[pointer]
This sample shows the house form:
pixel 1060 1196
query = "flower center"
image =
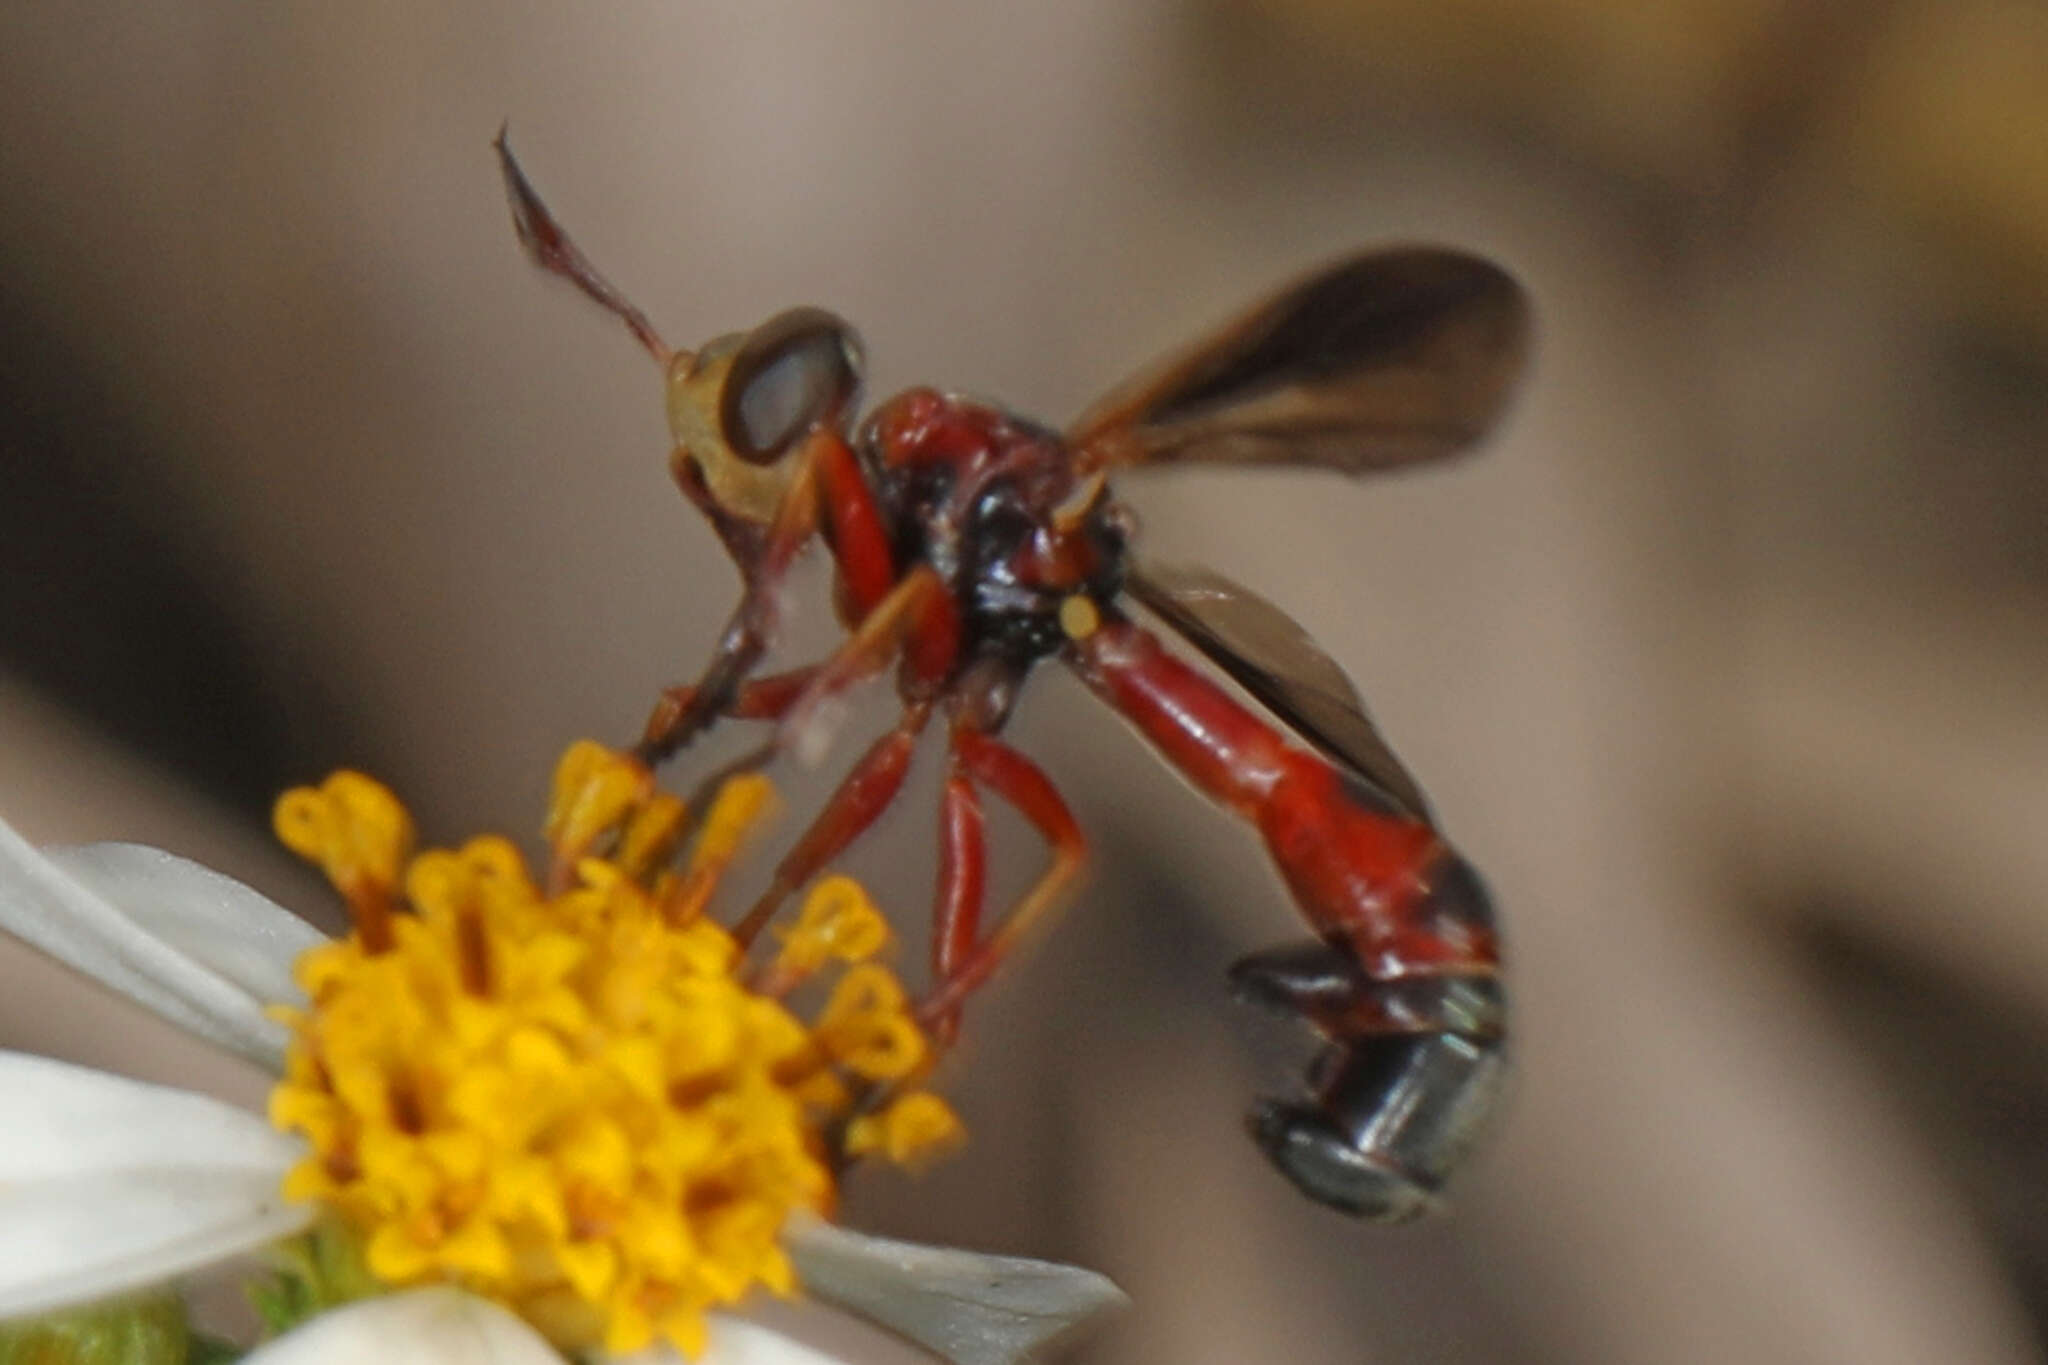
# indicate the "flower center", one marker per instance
pixel 581 1099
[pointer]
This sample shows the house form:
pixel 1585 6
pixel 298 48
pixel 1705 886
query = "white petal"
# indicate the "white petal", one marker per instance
pixel 49 907
pixel 107 1184
pixel 970 1308
pixel 239 932
pixel 735 1341
pixel 421 1327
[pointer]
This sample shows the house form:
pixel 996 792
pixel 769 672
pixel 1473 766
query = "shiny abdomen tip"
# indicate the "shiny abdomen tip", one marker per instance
pixel 1327 1166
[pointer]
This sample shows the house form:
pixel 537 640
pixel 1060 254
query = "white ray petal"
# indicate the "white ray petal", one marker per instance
pixel 421 1327
pixel 107 1184
pixel 49 907
pixel 970 1308
pixel 237 931
pixel 735 1341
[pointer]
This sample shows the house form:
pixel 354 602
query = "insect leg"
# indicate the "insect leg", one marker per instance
pixel 962 885
pixel 853 528
pixel 863 794
pixel 989 763
pixel 747 633
pixel 909 609
pixel 766 698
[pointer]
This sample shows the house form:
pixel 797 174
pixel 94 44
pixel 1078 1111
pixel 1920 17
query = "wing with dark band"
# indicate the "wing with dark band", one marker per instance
pixel 1382 360
pixel 1267 653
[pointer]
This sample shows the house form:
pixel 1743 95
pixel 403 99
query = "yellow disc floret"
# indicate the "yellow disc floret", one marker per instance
pixel 576 1099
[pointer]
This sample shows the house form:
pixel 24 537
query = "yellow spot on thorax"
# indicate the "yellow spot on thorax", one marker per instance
pixel 1079 617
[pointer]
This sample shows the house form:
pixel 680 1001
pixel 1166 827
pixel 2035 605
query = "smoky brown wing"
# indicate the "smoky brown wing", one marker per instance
pixel 1381 360
pixel 1267 653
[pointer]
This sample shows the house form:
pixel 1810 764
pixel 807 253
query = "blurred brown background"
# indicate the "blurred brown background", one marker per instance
pixel 1724 662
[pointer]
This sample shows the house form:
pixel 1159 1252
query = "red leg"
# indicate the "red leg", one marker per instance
pixel 830 488
pixel 989 763
pixel 963 882
pixel 793 698
pixel 766 698
pixel 828 494
pixel 918 608
pixel 861 798
pixel 853 528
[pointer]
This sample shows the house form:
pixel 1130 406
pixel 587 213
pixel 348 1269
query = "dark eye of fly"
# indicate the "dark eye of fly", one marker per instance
pixel 793 372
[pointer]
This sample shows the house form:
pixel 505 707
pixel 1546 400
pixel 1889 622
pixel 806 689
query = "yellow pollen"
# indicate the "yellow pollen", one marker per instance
pixel 567 1096
pixel 1079 617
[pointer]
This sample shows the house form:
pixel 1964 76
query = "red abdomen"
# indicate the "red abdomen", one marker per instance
pixel 1361 870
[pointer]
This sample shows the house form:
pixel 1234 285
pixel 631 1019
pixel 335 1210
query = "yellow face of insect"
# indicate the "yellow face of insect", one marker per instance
pixel 741 408
pixel 696 388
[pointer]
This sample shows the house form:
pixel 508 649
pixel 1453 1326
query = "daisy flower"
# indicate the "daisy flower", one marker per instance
pixel 517 1116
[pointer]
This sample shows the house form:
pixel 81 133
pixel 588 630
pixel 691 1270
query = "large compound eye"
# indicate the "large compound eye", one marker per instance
pixel 793 372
